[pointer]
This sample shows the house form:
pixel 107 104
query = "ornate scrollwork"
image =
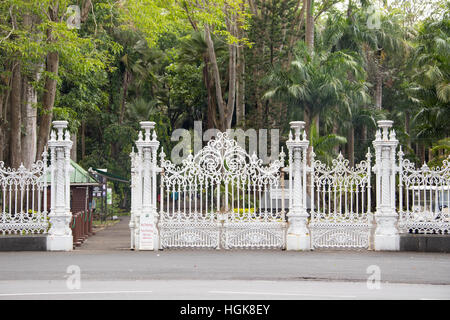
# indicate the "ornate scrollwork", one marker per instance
pixel 21 199
pixel 340 214
pixel 424 198
pixel 221 183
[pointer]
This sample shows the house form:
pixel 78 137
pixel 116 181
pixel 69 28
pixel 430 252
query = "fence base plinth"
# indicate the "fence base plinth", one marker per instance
pixel 298 242
pixel 23 243
pixel 60 243
pixel 387 242
pixel 425 242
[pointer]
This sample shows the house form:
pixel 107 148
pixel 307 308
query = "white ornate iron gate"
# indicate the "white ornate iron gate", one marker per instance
pixel 224 198
pixel 424 198
pixel 23 199
pixel 340 204
pixel 220 198
pixel 24 194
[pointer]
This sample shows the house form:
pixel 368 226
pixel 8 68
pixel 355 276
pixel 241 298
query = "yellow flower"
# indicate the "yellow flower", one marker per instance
pixel 242 210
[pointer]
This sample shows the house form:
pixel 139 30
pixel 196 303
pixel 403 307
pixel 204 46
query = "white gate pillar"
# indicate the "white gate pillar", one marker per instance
pixel 144 211
pixel 136 191
pixel 60 235
pixel 298 235
pixel 386 232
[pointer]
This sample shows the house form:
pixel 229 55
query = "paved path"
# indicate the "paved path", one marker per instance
pixel 116 237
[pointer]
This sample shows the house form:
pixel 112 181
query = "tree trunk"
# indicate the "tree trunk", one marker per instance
pixel 2 136
pixel 48 102
pixel 231 87
pixel 29 110
pixel 87 6
pixel 297 26
pixel 379 91
pixel 209 84
pixel 126 81
pixel 309 39
pixel 259 106
pixel 307 119
pixel 379 83
pixel 349 9
pixel 422 153
pixel 216 77
pixel 364 133
pixel 316 121
pixel 351 145
pixel 309 36
pixel 335 131
pixel 16 121
pixel 48 99
pixel 83 139
pixel 29 115
pixel 407 129
pixel 4 117
pixel 73 151
pixel 240 88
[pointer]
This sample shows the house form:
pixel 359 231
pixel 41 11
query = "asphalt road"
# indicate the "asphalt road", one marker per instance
pixel 227 265
pixel 109 268
pixel 218 290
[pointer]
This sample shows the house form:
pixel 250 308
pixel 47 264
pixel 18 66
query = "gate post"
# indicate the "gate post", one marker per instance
pixel 146 216
pixel 136 191
pixel 60 234
pixel 386 232
pixel 298 235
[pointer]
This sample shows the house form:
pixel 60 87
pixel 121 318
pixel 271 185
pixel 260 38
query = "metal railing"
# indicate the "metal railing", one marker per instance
pixel 23 199
pixel 81 225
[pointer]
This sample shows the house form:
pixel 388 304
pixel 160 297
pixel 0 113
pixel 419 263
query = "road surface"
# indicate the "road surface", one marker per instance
pixel 109 270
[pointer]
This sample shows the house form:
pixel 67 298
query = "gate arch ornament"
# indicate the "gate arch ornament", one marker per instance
pixel 221 198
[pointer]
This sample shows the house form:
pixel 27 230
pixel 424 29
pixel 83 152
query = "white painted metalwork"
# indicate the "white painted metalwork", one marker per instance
pixel 219 198
pixel 23 194
pixel 224 198
pixel 60 234
pixel 298 234
pixel 386 235
pixel 424 198
pixel 23 199
pixel 340 203
pixel 144 171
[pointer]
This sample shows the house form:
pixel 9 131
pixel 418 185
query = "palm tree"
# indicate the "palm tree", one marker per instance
pixel 326 82
pixel 325 146
pixel 138 61
pixel 378 45
pixel 141 110
pixel 430 88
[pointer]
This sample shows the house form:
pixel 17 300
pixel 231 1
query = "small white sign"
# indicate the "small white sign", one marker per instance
pixel 146 233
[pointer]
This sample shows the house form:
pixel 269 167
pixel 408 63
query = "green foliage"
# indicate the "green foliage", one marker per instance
pixel 139 60
pixel 324 146
pixel 158 17
pixel 441 152
pixel 430 88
